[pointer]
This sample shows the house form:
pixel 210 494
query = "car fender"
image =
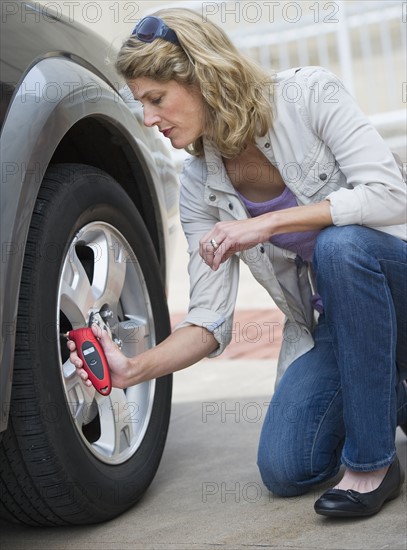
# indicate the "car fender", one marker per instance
pixel 53 95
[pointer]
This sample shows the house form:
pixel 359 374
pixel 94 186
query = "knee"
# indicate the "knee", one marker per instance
pixel 289 480
pixel 339 250
pixel 335 242
pixel 277 479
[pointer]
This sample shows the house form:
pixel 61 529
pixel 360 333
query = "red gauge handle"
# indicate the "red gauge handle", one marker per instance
pixel 93 358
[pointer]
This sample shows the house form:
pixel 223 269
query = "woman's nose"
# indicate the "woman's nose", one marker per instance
pixel 150 117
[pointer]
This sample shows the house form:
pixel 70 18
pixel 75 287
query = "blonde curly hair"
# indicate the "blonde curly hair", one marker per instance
pixel 237 93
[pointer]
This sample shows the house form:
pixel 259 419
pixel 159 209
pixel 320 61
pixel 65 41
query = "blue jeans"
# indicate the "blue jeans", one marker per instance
pixel 341 401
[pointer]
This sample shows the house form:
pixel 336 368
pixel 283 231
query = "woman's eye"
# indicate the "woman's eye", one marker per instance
pixel 156 101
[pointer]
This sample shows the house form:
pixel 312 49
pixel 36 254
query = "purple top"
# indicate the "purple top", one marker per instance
pixel 302 243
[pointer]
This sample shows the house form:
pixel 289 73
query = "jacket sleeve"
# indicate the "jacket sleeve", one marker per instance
pixel 377 194
pixel 212 293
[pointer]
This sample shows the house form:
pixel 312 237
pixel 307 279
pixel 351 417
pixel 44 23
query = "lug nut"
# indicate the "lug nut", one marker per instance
pixel 107 313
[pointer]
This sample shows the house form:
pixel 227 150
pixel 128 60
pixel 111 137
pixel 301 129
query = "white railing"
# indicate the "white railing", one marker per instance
pixel 363 42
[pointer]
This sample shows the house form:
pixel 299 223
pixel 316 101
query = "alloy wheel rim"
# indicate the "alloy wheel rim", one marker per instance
pixel 101 273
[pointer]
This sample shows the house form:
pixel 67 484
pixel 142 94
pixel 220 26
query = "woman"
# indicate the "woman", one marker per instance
pixel 287 175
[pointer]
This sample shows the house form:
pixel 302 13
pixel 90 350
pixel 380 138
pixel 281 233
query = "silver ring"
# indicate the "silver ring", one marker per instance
pixel 214 244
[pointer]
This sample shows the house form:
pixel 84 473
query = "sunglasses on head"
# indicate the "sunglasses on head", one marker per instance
pixel 149 28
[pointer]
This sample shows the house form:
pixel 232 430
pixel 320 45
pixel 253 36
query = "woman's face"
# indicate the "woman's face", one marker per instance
pixel 176 110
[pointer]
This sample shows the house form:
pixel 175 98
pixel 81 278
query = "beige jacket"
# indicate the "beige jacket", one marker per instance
pixel 324 147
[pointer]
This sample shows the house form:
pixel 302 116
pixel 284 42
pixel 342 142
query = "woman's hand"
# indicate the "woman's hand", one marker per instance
pixel 227 238
pixel 118 363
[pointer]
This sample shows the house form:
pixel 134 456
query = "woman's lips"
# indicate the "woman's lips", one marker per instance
pixel 166 132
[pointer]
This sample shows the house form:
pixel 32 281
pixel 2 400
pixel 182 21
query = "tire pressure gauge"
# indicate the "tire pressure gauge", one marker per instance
pixel 93 358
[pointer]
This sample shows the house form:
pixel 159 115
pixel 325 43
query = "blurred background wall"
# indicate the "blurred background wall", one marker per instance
pixel 364 42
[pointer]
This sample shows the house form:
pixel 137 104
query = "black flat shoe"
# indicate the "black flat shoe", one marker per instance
pixel 341 503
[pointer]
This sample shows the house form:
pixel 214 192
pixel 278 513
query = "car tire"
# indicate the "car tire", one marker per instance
pixel 71 456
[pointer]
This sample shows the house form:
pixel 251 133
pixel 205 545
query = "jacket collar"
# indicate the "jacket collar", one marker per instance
pixel 217 178
pixel 216 175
